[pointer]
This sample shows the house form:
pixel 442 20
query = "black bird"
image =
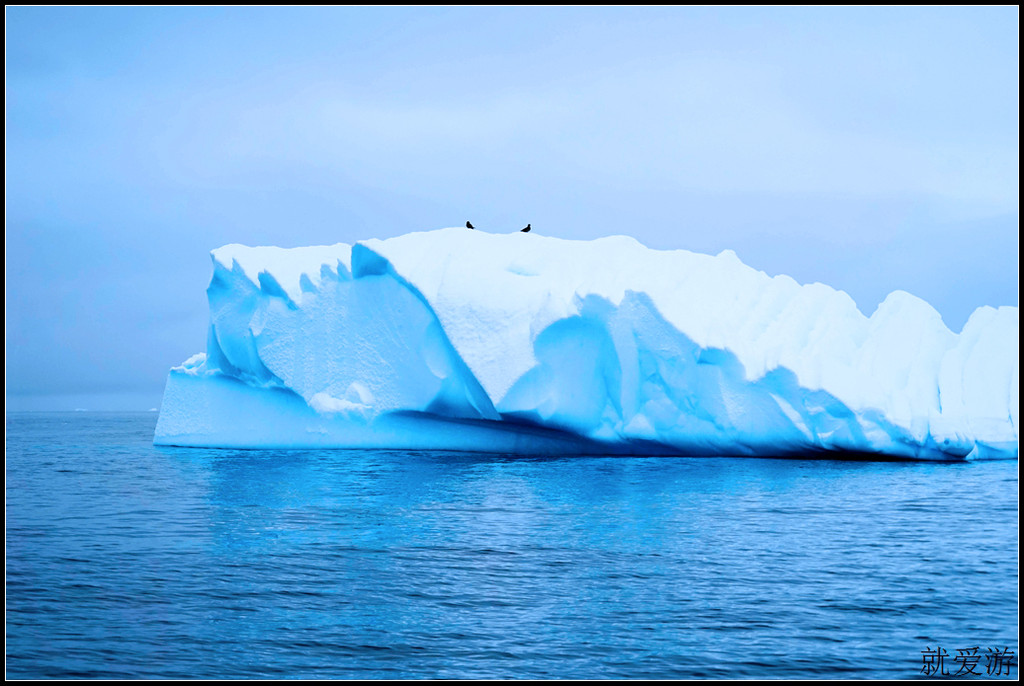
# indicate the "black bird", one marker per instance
pixel 469 226
pixel 526 230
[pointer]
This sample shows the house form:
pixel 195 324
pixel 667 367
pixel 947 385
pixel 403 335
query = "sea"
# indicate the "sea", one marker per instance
pixel 130 561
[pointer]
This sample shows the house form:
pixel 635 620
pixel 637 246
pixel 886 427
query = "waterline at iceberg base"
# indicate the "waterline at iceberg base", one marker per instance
pixel 521 343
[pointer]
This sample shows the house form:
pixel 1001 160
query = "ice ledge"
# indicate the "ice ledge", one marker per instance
pixel 216 411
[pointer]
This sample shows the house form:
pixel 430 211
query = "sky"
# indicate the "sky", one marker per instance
pixel 871 149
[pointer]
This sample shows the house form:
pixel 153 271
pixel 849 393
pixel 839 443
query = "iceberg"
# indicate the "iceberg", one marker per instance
pixel 522 343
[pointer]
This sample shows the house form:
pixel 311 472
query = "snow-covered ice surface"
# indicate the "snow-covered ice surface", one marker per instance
pixel 463 340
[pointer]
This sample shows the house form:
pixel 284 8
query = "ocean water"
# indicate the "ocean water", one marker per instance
pixel 125 560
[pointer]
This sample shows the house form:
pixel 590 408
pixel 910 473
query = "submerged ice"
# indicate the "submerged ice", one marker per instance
pixel 457 339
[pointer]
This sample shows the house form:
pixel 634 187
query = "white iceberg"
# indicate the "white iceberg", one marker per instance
pixel 464 340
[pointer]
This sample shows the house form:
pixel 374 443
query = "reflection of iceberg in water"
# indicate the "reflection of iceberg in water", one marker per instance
pixel 464 340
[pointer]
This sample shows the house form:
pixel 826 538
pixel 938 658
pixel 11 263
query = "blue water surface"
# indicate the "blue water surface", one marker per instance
pixel 125 560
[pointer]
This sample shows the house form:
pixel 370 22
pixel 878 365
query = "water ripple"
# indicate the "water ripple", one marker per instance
pixel 126 561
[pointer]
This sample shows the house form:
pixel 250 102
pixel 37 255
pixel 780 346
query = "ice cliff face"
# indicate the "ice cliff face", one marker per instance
pixel 458 339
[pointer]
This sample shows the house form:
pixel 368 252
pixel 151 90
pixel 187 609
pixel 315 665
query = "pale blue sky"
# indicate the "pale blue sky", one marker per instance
pixel 871 149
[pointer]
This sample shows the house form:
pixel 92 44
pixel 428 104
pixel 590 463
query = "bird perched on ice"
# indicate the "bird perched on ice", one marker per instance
pixel 469 226
pixel 526 230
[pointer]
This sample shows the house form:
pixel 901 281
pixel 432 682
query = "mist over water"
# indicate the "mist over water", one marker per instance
pixel 129 561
